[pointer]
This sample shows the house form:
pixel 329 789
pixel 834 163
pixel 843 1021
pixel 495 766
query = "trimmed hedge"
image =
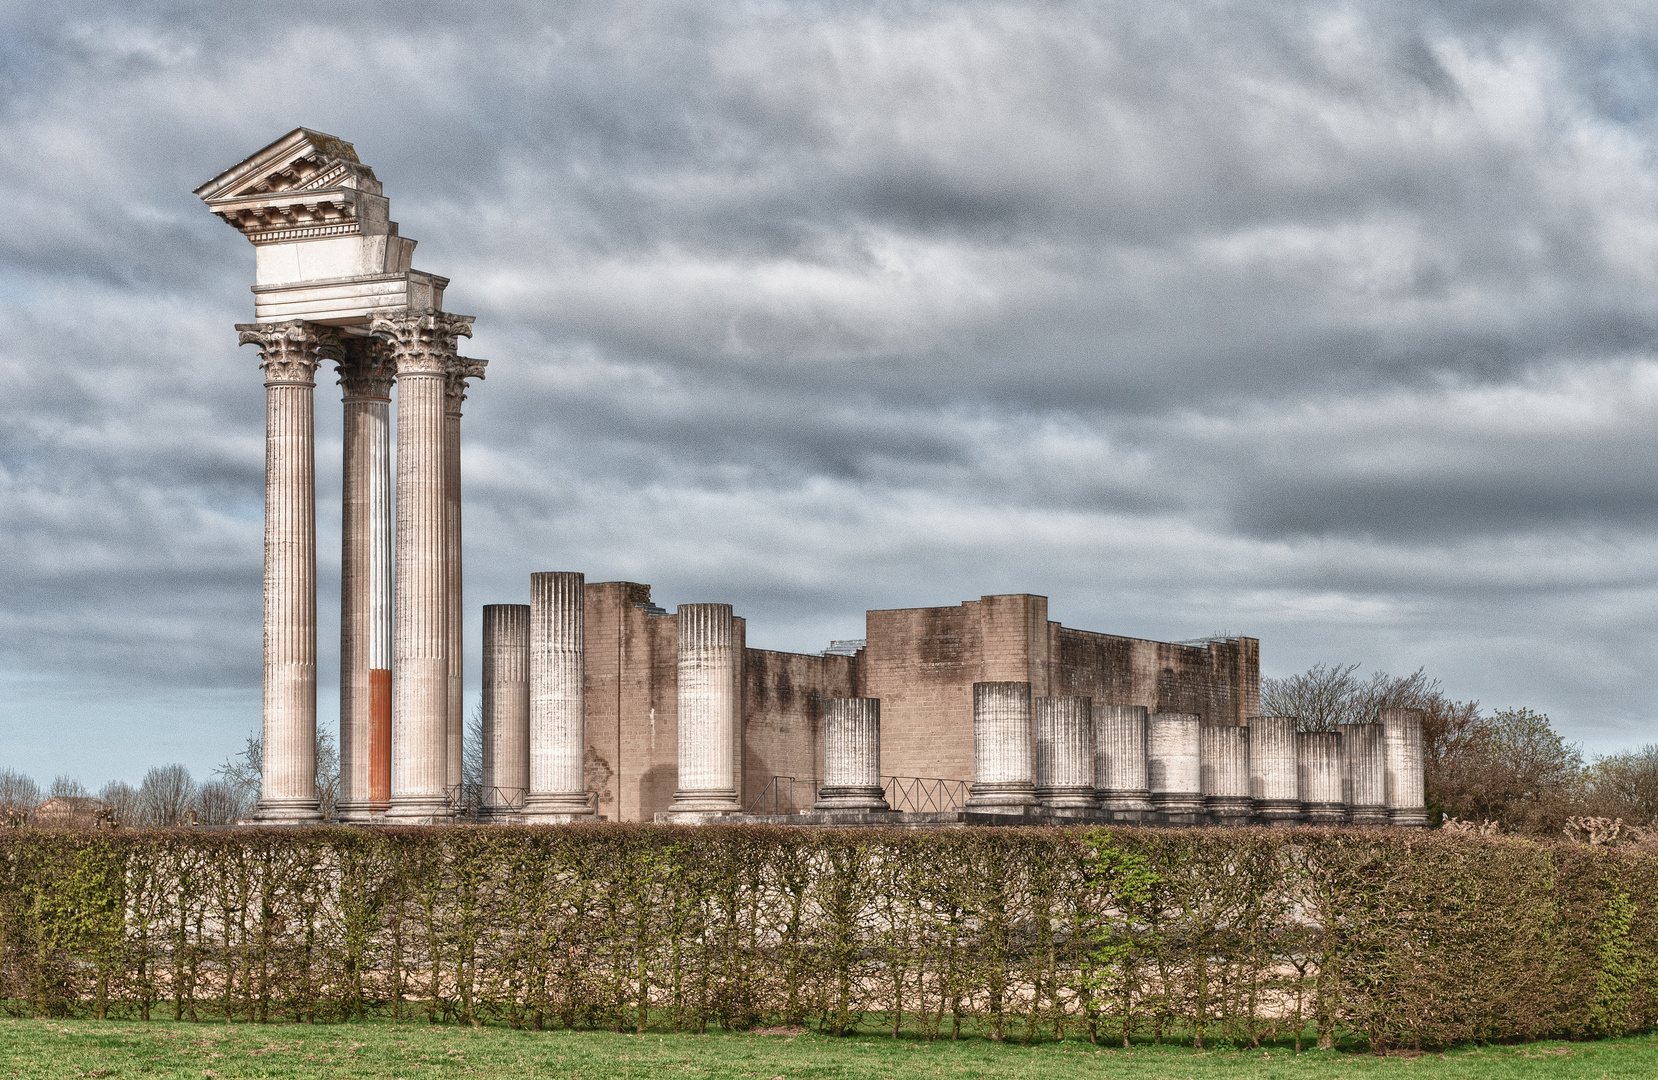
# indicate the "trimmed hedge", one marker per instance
pixel 1374 936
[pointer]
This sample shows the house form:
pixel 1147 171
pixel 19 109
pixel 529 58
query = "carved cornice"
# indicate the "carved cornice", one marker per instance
pixel 422 343
pixel 461 369
pixel 366 370
pixel 289 352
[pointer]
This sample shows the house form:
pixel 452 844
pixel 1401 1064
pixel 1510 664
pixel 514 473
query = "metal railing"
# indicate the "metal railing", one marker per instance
pixel 910 794
pixel 924 794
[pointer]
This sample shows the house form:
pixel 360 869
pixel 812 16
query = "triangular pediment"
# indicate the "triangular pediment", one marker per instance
pixel 302 160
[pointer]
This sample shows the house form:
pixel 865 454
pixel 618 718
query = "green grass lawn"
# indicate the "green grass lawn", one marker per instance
pixel 85 1048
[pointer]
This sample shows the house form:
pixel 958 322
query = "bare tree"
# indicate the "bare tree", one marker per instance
pixel 328 774
pixel 244 771
pixel 19 794
pixel 219 802
pixel 472 759
pixel 165 794
pixel 1625 786
pixel 122 801
pixel 65 786
pixel 1324 696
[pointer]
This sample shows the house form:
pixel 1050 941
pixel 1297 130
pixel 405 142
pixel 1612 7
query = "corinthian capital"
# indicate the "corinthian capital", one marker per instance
pixel 462 368
pixel 366 369
pixel 422 343
pixel 289 351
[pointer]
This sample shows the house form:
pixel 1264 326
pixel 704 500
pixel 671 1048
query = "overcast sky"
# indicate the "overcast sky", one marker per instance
pixel 1334 324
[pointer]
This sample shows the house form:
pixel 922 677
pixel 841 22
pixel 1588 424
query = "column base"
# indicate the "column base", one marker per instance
pixel 359 813
pixel 1320 813
pixel 287 812
pixel 996 795
pixel 1127 799
pixel 1067 798
pixel 1369 815
pixel 871 797
pixel 1279 812
pixel 704 801
pixel 417 810
pixel 1229 809
pixel 1413 817
pixel 556 808
pixel 1183 803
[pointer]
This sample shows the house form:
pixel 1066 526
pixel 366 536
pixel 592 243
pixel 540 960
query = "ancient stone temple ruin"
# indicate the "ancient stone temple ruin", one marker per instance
pixel 600 705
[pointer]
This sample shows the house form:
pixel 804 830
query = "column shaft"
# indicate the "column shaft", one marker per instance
pixel 1273 769
pixel 1224 763
pixel 288 353
pixel 1319 769
pixel 709 714
pixel 852 756
pixel 506 701
pixel 1064 744
pixel 365 585
pixel 1004 769
pixel 1120 759
pixel 558 733
pixel 1174 769
pixel 1402 738
pixel 1366 773
pixel 423 348
pixel 453 602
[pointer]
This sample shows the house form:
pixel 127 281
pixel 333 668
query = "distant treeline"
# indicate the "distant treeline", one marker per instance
pixel 1379 938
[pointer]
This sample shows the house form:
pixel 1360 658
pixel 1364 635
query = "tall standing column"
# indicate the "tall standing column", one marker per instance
pixel 708 711
pixel 460 371
pixel 852 756
pixel 423 349
pixel 558 702
pixel 1223 755
pixel 1402 741
pixel 288 355
pixel 365 583
pixel 506 748
pixel 1366 773
pixel 1004 772
pixel 1274 772
pixel 1065 752
pixel 1120 760
pixel 1174 767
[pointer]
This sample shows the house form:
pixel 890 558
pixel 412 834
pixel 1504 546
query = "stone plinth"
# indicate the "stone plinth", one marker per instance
pixel 558 743
pixel 1174 765
pixel 1402 750
pixel 1318 757
pixel 852 756
pixel 1120 758
pixel 709 700
pixel 1064 744
pixel 1274 781
pixel 506 711
pixel 288 355
pixel 1366 774
pixel 1224 768
pixel 1004 774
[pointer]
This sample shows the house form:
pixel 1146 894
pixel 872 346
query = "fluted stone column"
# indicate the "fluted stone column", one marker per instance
pixel 1318 762
pixel 1274 770
pixel 1173 766
pixel 288 356
pixel 709 712
pixel 852 756
pixel 365 583
pixel 506 749
pixel 1224 767
pixel 423 349
pixel 1120 758
pixel 1004 773
pixel 1366 779
pixel 1402 748
pixel 558 733
pixel 462 369
pixel 1064 737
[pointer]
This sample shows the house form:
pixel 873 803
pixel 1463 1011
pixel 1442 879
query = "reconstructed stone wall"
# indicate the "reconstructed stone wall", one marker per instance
pixel 920 662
